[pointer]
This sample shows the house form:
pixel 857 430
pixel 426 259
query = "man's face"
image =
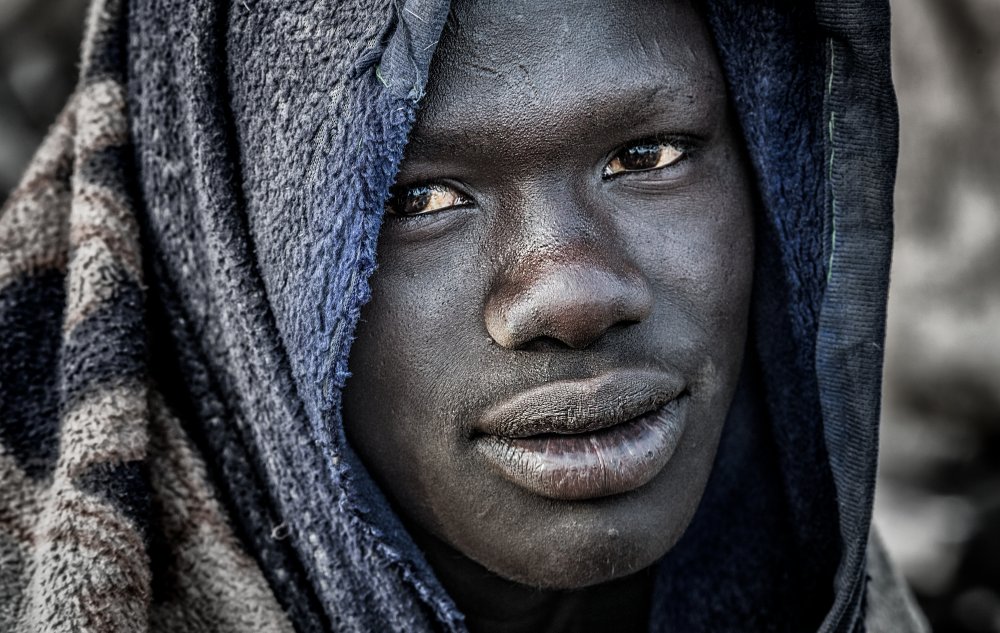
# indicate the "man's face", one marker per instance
pixel 558 317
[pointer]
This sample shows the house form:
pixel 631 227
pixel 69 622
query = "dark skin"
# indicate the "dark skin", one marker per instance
pixel 574 203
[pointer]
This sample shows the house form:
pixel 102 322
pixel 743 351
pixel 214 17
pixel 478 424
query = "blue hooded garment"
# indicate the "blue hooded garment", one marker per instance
pixel 183 269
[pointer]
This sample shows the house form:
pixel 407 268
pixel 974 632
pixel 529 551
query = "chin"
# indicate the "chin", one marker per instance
pixel 587 566
pixel 578 544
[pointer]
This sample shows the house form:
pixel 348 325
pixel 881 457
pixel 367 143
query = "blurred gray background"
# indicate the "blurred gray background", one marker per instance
pixel 938 502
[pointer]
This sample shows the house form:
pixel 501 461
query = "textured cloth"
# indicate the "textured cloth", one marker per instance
pixel 90 456
pixel 183 265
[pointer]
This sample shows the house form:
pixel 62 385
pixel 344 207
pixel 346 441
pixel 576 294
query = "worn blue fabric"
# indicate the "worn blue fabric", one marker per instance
pixel 267 134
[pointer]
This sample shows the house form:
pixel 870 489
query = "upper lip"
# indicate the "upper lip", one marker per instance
pixel 580 405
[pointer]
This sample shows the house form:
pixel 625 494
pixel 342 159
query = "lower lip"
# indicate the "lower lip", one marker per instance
pixel 590 465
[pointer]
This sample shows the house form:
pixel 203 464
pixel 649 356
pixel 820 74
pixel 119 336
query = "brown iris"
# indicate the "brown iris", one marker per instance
pixel 644 156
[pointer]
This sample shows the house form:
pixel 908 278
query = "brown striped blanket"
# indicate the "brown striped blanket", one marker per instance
pixel 89 453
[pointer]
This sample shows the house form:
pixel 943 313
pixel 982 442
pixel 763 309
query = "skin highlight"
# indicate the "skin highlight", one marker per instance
pixel 574 209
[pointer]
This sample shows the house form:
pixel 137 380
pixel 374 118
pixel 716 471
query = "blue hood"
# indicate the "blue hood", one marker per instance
pixel 267 135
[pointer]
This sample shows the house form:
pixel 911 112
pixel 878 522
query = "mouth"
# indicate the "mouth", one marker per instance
pixel 585 439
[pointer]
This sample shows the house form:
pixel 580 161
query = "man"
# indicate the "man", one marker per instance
pixel 618 371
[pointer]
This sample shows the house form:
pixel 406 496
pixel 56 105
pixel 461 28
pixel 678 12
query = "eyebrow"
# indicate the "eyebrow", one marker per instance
pixel 614 108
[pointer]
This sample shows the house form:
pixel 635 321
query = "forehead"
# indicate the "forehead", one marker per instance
pixel 524 60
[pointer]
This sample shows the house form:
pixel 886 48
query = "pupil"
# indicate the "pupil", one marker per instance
pixel 418 199
pixel 642 157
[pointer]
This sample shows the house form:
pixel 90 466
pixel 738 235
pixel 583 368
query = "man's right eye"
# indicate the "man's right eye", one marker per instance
pixel 424 199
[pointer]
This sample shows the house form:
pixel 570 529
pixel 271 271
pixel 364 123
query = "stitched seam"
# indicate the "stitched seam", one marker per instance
pixel 831 129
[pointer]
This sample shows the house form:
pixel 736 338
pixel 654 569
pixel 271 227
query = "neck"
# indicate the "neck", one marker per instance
pixel 491 603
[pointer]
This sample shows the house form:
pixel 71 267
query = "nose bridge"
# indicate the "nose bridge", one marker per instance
pixel 550 207
pixel 566 278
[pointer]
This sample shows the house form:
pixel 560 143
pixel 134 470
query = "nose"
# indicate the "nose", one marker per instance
pixel 572 296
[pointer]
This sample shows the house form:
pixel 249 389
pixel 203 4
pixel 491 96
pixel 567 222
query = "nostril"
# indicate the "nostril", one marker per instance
pixel 545 344
pixel 624 324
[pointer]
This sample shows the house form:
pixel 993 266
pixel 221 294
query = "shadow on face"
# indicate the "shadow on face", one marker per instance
pixel 558 318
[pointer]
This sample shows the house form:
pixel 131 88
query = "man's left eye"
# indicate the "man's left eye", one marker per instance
pixel 644 156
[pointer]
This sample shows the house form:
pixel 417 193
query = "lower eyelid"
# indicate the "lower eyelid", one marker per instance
pixel 685 156
pixel 430 225
pixel 663 175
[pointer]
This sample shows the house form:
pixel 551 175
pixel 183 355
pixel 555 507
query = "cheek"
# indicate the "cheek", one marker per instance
pixel 421 293
pixel 701 262
pixel 697 250
pixel 405 405
pixel 401 341
pixel 718 270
